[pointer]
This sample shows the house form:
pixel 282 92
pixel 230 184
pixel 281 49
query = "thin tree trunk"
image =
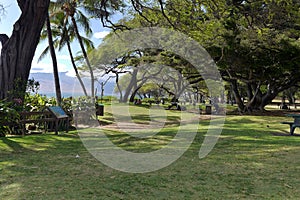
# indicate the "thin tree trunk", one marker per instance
pixel 75 68
pixel 237 95
pixel 54 61
pixel 131 99
pixel 119 88
pixel 85 57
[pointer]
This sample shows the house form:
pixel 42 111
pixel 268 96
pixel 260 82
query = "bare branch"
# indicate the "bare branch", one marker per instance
pixel 139 12
pixel 164 14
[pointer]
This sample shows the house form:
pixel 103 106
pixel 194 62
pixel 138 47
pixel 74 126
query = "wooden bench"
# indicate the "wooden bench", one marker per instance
pixel 45 116
pixel 293 125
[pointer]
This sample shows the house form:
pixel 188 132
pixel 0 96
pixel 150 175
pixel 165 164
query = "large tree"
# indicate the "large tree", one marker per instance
pixel 255 43
pixel 18 50
pixel 262 49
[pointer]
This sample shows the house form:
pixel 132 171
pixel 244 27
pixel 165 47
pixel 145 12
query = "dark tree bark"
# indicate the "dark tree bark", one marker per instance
pixel 18 51
pixel 237 96
pixel 3 39
pixel 54 61
pixel 131 99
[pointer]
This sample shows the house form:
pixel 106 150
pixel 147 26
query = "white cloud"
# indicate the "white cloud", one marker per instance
pixel 63 57
pixel 101 34
pixel 43 67
pixel 71 73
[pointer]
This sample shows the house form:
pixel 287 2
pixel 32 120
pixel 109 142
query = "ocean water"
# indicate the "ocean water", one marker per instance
pixel 64 94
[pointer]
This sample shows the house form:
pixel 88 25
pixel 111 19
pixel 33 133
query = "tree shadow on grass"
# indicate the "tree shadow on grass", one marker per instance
pixel 285 133
pixel 13 145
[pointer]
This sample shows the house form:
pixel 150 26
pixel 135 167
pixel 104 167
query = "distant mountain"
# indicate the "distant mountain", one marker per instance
pixel 69 85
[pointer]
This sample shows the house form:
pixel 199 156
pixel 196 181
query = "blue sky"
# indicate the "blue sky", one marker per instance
pixel 12 13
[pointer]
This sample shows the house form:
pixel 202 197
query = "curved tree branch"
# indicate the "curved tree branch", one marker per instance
pixel 3 39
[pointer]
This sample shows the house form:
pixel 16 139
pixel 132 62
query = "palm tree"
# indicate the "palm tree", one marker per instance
pixel 63 35
pixel 71 11
pixel 54 61
pixel 67 38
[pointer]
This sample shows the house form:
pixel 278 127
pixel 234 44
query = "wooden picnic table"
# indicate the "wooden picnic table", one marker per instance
pixel 295 123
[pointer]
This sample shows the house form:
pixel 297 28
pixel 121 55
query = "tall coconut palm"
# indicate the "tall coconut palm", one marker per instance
pixel 63 34
pixel 54 61
pixel 71 11
pixel 67 39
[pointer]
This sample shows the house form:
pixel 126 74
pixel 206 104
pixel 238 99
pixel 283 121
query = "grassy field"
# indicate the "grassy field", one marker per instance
pixel 253 159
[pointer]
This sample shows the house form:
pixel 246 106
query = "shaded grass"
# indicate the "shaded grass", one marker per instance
pixel 248 162
pixel 139 114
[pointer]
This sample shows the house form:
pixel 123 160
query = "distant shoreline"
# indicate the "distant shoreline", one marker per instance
pixel 67 94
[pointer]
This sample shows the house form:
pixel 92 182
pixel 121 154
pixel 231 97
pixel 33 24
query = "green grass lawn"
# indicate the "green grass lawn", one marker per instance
pixel 253 159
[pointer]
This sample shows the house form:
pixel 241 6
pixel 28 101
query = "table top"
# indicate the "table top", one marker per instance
pixel 293 115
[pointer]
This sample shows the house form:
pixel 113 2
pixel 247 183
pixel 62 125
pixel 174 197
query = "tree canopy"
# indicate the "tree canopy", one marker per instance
pixel 254 43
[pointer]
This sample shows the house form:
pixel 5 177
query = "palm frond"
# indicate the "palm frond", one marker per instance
pixel 44 34
pixel 44 54
pixel 84 22
pixel 88 43
pixel 79 58
pixel 62 43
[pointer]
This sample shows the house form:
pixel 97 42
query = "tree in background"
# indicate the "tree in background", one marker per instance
pixel 64 35
pixel 262 51
pixel 255 44
pixel 71 11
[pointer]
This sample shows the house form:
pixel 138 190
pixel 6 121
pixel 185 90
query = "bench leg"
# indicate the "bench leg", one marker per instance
pixel 292 129
pixel 67 124
pixel 56 127
pixel 23 129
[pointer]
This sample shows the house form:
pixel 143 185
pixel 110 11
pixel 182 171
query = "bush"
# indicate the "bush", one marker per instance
pixel 106 99
pixel 7 114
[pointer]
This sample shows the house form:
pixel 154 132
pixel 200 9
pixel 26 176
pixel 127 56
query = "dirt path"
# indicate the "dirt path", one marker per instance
pixel 136 127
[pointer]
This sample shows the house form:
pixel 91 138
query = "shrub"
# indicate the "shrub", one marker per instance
pixel 7 114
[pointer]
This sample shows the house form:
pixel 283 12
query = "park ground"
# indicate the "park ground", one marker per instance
pixel 254 158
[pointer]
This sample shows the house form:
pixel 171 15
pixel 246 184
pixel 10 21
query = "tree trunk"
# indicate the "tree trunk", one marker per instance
pixel 75 68
pixel 130 86
pixel 249 91
pixel 237 95
pixel 54 61
pixel 131 99
pixel 266 99
pixel 119 88
pixel 85 57
pixel 18 52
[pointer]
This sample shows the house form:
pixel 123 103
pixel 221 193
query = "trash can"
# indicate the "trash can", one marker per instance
pixel 208 109
pixel 200 110
pixel 99 109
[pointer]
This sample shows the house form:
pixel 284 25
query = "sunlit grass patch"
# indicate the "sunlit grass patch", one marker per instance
pixel 248 162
